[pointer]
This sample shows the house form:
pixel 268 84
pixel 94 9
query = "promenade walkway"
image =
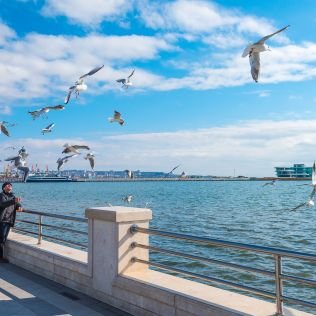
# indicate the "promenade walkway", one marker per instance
pixel 23 293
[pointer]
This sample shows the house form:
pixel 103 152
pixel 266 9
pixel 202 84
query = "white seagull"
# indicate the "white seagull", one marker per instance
pixel 130 174
pixel 19 162
pixel 41 112
pixel 74 148
pixel 128 198
pixel 79 85
pixel 254 50
pixel 90 156
pixel 48 129
pixel 63 160
pixel 126 81
pixel 116 118
pixel 309 202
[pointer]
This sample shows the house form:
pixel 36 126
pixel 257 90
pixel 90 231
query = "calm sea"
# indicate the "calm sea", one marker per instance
pixel 240 211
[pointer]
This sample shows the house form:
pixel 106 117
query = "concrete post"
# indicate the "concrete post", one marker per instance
pixel 110 251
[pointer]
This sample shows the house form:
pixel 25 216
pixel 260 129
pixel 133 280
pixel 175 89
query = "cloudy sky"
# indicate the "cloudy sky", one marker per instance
pixel 193 101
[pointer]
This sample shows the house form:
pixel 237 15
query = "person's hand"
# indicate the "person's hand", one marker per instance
pixel 18 200
pixel 20 209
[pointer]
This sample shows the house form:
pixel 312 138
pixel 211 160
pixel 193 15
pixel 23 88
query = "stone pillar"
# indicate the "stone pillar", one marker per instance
pixel 110 239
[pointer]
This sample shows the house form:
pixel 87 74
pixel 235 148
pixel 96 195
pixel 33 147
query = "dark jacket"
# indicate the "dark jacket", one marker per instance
pixel 8 208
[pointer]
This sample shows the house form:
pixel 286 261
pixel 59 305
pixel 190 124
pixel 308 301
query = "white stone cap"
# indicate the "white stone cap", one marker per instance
pixel 118 214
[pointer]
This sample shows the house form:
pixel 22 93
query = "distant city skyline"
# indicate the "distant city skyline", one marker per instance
pixel 193 101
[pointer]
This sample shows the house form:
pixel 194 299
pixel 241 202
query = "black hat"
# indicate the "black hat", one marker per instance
pixel 5 183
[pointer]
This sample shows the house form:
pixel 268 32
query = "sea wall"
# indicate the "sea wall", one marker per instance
pixel 106 272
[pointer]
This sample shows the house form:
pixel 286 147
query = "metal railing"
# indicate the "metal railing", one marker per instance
pixel 277 274
pixel 40 225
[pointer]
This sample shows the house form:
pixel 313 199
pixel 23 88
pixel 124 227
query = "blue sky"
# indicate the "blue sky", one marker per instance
pixel 193 101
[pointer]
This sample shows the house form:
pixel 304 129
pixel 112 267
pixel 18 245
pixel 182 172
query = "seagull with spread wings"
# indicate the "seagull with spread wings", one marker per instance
pixel 79 85
pixel 41 112
pixel 61 161
pixel 310 201
pixel 116 118
pixel 48 129
pixel 126 82
pixel 19 162
pixel 90 157
pixel 74 148
pixel 253 51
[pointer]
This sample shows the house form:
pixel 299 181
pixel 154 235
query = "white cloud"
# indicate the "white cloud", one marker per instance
pixel 42 65
pixel 205 17
pixel 252 147
pixel 88 13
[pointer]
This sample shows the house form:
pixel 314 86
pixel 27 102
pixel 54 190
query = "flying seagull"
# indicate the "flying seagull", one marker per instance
pixel 61 161
pixel 172 170
pixel 309 202
pixel 128 198
pixel 130 174
pixel 79 85
pixel 273 182
pixel 90 156
pixel 74 148
pixel 19 162
pixel 254 50
pixel 3 128
pixel 126 81
pixel 41 112
pixel 116 118
pixel 48 129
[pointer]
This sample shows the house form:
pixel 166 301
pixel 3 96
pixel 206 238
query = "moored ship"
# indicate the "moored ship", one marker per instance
pixel 43 177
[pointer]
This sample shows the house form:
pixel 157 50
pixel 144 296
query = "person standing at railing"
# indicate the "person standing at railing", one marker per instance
pixel 9 205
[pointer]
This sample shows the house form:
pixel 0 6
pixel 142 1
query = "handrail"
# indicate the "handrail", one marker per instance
pixel 41 225
pixel 66 217
pixel 277 253
pixel 230 244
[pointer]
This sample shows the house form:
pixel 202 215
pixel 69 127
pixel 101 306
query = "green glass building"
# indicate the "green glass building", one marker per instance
pixel 298 170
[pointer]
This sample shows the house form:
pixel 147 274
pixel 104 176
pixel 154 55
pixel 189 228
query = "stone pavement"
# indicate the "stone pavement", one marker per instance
pixel 23 293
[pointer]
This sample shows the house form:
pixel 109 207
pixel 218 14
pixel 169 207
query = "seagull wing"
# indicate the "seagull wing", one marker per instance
pixel 254 60
pixel 314 174
pixel 50 126
pixel 11 158
pixel 4 130
pixel 92 72
pixel 299 206
pixel 117 115
pixel 69 95
pixel 81 147
pixel 123 81
pixel 91 160
pixel 131 74
pixel 313 193
pixel 262 40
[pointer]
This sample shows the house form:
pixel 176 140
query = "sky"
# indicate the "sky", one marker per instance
pixel 193 101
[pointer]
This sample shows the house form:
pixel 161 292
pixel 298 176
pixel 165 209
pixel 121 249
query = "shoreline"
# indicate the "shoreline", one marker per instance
pixel 15 180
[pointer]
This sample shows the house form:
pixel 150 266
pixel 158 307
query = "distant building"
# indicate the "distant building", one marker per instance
pixel 298 170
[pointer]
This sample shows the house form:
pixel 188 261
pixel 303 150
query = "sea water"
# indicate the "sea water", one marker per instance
pixel 239 211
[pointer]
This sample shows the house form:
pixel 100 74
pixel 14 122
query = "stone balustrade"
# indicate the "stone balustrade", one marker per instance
pixel 107 273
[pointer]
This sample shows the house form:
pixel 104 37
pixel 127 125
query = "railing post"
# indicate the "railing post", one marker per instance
pixel 110 240
pixel 39 240
pixel 278 285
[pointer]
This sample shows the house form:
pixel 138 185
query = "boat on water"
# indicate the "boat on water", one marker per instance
pixel 44 177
